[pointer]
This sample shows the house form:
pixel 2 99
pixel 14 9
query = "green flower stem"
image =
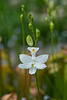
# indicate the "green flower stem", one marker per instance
pixel 52 44
pixel 26 82
pixel 36 42
pixel 37 85
pixel 52 41
pixel 33 36
pixel 23 35
pixel 0 76
pixel 37 80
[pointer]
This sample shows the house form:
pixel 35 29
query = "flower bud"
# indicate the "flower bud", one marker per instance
pixel 22 9
pixel 32 18
pixel 21 17
pixel 51 26
pixel 22 6
pixel 29 40
pixel 30 26
pixel 29 15
pixel 51 4
pixel 37 33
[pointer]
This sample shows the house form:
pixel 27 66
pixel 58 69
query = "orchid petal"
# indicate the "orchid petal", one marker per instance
pixel 31 48
pixel 25 58
pixel 42 58
pixel 40 66
pixel 24 66
pixel 32 70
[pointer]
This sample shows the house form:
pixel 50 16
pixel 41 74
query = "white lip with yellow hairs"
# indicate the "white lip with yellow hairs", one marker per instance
pixel 32 62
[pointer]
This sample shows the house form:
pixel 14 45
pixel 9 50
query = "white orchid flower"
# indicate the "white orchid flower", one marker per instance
pixel 32 62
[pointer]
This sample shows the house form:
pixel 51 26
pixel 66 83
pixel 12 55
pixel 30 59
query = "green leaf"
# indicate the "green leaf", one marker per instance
pixel 29 40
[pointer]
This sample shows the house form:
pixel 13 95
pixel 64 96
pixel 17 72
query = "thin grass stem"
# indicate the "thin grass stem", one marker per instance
pixel 37 85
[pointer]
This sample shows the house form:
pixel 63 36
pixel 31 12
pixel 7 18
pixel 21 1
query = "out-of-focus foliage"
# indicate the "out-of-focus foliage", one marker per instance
pixel 10 21
pixel 54 78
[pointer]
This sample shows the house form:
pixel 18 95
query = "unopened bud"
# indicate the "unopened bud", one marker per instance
pixel 29 15
pixel 22 6
pixel 21 17
pixel 37 33
pixel 51 26
pixel 32 18
pixel 30 27
pixel 51 4
pixel 29 40
pixel 22 9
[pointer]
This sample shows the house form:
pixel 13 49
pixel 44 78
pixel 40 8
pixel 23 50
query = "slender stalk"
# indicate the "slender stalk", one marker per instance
pixel 52 44
pixel 37 79
pixel 37 85
pixel 0 75
pixel 52 40
pixel 25 78
pixel 33 36
pixel 36 42
pixel 23 35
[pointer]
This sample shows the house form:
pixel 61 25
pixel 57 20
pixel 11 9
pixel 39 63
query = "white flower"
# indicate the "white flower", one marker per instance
pixel 32 62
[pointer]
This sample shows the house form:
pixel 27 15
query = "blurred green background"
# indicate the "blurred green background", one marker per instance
pixel 10 18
